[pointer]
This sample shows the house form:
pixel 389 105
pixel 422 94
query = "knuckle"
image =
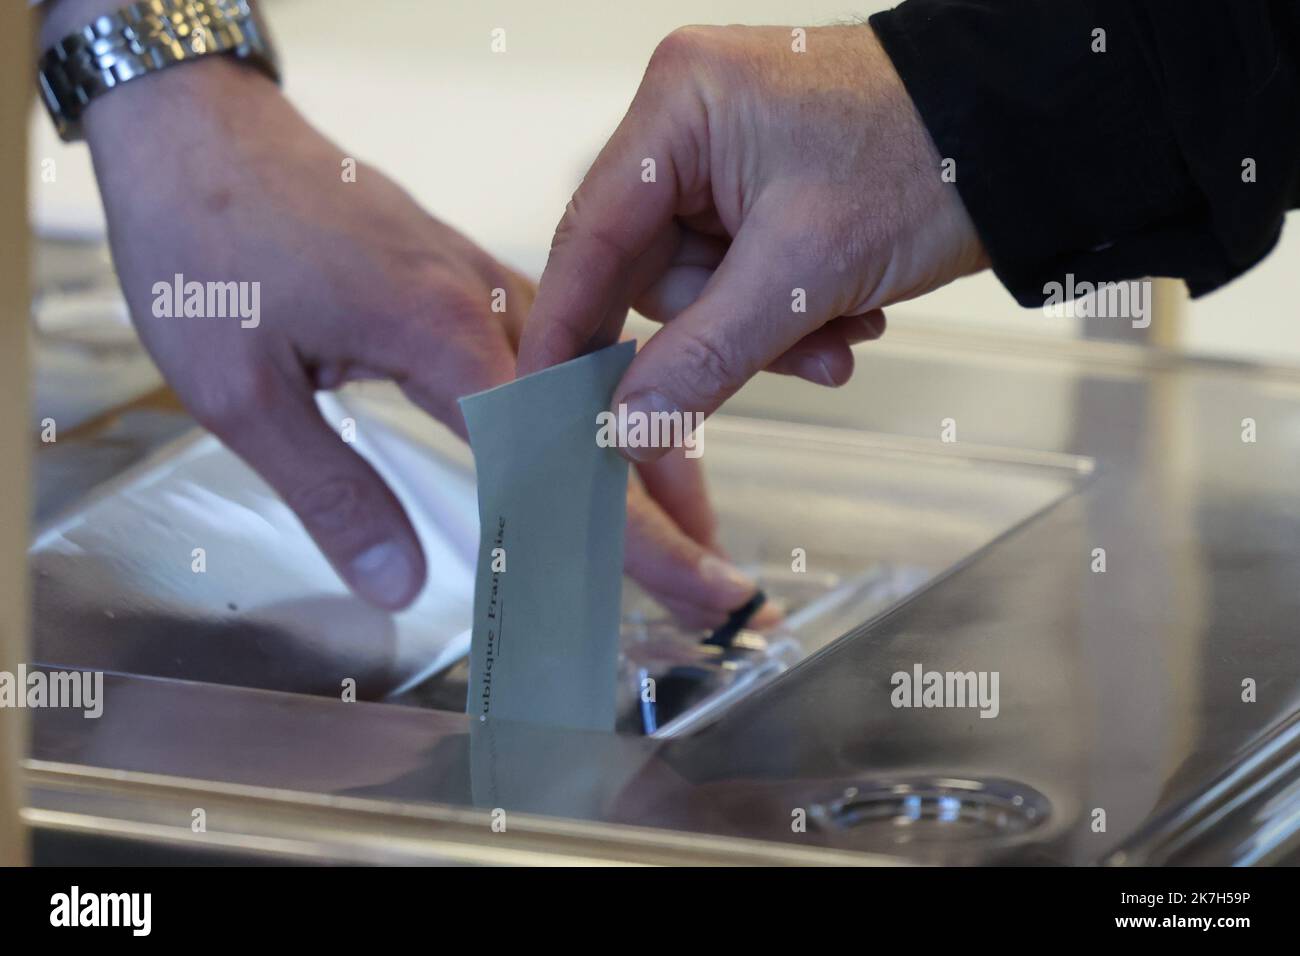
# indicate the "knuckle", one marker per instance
pixel 714 366
pixel 569 224
pixel 459 300
pixel 684 46
pixel 409 298
pixel 577 227
pixel 680 64
pixel 435 298
pixel 612 246
pixel 331 506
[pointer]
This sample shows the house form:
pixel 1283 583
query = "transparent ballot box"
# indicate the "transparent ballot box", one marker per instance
pixel 838 526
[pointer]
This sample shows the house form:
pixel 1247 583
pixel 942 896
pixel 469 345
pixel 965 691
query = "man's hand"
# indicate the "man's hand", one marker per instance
pixel 793 195
pixel 208 172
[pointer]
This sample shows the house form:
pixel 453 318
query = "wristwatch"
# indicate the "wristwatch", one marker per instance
pixel 141 38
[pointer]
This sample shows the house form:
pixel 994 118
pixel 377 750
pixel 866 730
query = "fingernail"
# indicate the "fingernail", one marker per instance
pixel 732 586
pixel 642 406
pixel 814 369
pixel 384 574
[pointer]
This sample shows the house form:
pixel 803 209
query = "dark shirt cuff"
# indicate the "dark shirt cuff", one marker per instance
pixel 1108 165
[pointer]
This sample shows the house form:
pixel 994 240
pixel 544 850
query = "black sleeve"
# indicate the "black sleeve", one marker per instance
pixel 1110 165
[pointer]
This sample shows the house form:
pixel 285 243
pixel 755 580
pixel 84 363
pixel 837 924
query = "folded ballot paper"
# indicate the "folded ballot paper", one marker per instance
pixel 552 504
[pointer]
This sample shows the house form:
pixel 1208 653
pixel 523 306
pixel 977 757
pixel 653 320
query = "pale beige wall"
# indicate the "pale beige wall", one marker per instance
pixel 15 97
pixel 1255 318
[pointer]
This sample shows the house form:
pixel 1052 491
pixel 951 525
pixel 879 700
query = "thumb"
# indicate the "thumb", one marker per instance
pixel 344 505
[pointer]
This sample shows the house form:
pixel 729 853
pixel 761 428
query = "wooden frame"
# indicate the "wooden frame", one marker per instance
pixel 16 91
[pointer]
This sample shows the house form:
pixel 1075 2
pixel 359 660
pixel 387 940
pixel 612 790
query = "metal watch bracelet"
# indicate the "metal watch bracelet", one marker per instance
pixel 145 37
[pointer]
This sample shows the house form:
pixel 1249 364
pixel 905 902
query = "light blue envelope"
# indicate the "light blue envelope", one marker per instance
pixel 552 505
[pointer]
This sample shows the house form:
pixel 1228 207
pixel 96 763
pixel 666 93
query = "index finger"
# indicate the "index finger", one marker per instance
pixel 620 210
